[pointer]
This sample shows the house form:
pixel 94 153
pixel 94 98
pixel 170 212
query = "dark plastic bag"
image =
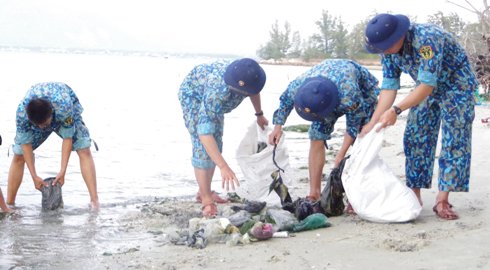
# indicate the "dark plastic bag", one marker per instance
pixel 52 198
pixel 332 197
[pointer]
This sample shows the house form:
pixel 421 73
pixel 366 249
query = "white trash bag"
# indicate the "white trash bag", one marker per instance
pixel 257 166
pixel 374 191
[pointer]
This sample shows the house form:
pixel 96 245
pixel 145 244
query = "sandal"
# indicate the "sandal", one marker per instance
pixel 216 198
pixel 446 212
pixel 209 210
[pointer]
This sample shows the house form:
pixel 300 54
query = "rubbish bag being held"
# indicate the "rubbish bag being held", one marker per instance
pixel 374 191
pixel 255 158
pixel 332 197
pixel 52 198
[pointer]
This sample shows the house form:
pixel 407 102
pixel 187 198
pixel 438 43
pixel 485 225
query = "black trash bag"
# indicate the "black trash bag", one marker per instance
pixel 304 207
pixel 332 197
pixel 253 207
pixel 52 198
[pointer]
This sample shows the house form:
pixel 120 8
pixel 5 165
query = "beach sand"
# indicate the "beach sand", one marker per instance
pixel 350 243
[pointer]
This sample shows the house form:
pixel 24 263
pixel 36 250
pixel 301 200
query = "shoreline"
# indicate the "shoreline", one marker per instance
pixel 350 242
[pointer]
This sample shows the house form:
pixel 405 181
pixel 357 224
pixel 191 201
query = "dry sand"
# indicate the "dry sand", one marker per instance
pixel 350 243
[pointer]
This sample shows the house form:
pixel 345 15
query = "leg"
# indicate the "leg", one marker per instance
pixel 420 141
pixel 3 205
pixel 455 158
pixel 417 193
pixel 87 168
pixel 204 177
pixel 316 160
pixel 16 172
pixel 214 195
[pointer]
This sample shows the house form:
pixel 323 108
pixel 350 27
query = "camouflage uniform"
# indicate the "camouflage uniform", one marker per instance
pixel 358 92
pixel 205 98
pixel 66 122
pixel 433 57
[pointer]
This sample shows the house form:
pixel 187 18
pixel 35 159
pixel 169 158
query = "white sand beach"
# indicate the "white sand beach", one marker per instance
pixel 350 243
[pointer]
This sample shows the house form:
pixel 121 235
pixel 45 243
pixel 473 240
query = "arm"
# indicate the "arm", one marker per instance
pixel 29 158
pixel 227 175
pixel 421 92
pixel 348 141
pixel 261 120
pixel 385 101
pixel 65 157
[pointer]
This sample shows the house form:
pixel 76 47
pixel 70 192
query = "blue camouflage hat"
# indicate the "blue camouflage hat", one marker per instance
pixel 384 30
pixel 245 76
pixel 316 98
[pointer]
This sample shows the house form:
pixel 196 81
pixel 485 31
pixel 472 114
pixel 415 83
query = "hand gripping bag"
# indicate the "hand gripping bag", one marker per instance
pixel 254 156
pixel 374 191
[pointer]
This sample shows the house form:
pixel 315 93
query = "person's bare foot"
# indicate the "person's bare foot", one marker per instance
pixel 95 205
pixel 6 209
pixel 216 198
pixel 312 198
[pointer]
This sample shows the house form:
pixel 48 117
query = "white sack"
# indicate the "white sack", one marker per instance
pixel 374 191
pixel 257 167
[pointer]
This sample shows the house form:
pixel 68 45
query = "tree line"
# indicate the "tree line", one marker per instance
pixel 334 40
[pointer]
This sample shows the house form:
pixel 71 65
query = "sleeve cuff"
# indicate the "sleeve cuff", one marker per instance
pixel 389 83
pixel 427 78
pixel 23 138
pixel 206 129
pixel 66 132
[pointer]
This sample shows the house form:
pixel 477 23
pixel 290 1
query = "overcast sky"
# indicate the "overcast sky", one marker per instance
pixel 208 26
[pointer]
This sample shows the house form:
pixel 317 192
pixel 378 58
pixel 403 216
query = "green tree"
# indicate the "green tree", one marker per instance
pixel 340 41
pixel 324 39
pixel 295 49
pixel 312 50
pixel 279 44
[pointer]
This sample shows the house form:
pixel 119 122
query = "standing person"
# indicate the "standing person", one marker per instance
pixel 49 107
pixel 323 94
pixel 443 98
pixel 3 205
pixel 206 94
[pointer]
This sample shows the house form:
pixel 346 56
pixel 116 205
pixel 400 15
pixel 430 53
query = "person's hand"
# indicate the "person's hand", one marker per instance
pixel 262 121
pixel 228 177
pixel 337 160
pixel 388 118
pixel 39 182
pixel 60 178
pixel 367 128
pixel 275 135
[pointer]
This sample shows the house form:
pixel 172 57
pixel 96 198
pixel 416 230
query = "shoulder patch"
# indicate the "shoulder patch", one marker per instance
pixel 68 121
pixel 426 52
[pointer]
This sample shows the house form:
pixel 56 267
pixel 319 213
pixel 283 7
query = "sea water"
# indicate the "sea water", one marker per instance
pixel 134 116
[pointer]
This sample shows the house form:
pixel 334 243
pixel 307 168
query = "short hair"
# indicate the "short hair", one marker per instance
pixel 39 110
